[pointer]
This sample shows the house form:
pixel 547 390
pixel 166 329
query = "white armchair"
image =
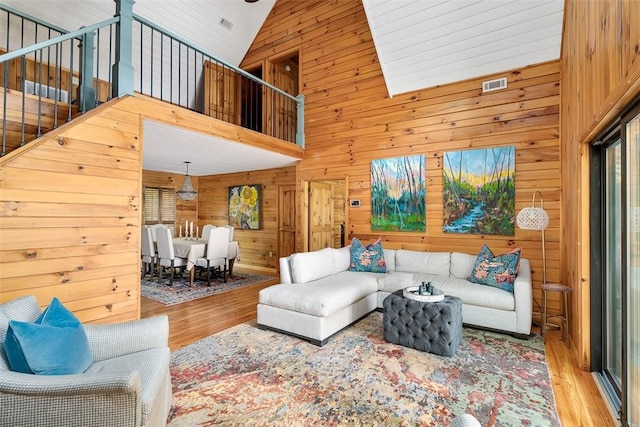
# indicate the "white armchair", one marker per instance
pixel 128 383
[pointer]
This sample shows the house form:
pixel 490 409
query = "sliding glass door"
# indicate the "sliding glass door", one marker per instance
pixel 631 399
pixel 615 252
pixel 612 321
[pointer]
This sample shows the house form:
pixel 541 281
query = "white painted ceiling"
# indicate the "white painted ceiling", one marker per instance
pixel 427 43
pixel 172 146
pixel 420 44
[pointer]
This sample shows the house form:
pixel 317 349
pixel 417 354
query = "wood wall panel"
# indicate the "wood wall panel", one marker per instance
pixel 70 218
pixel 600 77
pixel 255 245
pixel 350 120
pixel 70 207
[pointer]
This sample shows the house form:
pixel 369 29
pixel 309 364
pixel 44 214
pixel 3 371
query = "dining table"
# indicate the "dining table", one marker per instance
pixel 192 249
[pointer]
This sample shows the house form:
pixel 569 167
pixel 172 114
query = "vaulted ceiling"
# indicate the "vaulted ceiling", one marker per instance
pixel 420 43
pixel 427 43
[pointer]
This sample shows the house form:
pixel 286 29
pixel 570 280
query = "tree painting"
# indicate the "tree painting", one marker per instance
pixel 398 194
pixel 479 191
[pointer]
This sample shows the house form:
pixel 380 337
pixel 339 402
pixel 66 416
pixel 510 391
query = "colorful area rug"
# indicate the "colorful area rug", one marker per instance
pixel 246 376
pixel 181 291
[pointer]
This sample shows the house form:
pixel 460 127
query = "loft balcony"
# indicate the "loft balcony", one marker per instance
pixel 47 83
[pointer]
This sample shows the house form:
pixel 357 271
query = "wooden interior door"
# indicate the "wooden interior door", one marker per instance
pixel 221 94
pixel 286 220
pixel 320 215
pixel 286 112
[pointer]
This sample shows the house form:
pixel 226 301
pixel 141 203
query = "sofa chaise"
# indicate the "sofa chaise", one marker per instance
pixel 319 296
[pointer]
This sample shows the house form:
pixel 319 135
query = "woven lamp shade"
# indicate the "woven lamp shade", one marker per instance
pixel 533 218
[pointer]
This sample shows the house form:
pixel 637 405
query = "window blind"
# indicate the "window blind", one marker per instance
pixel 159 206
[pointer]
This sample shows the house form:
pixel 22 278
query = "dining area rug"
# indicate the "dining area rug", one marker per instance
pixel 247 376
pixel 181 291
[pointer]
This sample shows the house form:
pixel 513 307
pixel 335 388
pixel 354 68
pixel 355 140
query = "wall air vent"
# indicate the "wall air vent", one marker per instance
pixel 496 84
pixel 33 88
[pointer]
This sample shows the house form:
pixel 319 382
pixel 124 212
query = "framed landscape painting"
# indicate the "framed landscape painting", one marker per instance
pixel 398 194
pixel 479 191
pixel 244 206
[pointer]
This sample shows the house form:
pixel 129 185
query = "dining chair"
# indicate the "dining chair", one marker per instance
pixel 216 256
pixel 154 230
pixel 149 258
pixel 206 230
pixel 231 229
pixel 166 255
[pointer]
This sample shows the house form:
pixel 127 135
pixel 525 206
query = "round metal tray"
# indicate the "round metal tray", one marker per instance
pixel 412 293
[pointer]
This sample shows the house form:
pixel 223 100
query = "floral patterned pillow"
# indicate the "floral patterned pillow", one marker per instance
pixel 497 271
pixel 367 258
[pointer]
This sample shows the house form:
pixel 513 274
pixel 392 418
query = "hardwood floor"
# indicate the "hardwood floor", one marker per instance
pixel 577 397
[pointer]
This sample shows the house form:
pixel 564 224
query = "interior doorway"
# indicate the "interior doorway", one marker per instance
pixel 282 117
pixel 286 220
pixel 325 219
pixel 251 110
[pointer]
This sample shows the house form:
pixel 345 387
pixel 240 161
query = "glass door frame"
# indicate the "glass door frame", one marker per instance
pixel 599 273
pixel 620 399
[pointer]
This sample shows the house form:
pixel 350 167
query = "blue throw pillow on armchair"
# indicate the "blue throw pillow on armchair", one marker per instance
pixel 55 344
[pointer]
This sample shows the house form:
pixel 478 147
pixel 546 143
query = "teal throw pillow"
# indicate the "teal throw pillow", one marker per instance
pixel 55 344
pixel 497 271
pixel 367 258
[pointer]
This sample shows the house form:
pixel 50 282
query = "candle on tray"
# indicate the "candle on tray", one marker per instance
pixel 197 232
pixel 191 232
pixel 186 228
pixel 181 231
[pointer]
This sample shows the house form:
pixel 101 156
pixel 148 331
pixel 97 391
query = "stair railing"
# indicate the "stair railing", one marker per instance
pixel 58 72
pixel 139 56
pixel 175 70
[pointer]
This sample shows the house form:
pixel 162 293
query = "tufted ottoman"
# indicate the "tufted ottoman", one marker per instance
pixel 435 327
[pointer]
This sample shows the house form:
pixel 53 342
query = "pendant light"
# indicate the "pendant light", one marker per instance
pixel 187 192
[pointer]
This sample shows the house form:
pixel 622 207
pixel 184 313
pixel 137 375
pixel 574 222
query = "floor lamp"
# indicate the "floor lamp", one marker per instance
pixel 535 218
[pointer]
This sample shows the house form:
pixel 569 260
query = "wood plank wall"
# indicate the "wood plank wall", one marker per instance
pixel 350 120
pixel 70 216
pixel 70 206
pixel 255 245
pixel 600 77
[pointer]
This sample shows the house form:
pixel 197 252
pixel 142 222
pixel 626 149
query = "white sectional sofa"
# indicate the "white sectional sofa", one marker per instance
pixel 318 296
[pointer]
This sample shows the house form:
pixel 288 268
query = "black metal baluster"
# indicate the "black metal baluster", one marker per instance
pixel 151 67
pixel 110 63
pixel 22 81
pixel 39 133
pixel 96 81
pixel 4 112
pixel 71 47
pixel 56 90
